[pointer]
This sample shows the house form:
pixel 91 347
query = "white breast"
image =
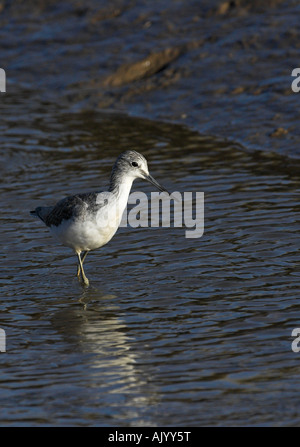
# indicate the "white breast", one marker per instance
pixel 92 231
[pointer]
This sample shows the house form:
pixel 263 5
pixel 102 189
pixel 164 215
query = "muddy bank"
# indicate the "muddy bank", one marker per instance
pixel 222 67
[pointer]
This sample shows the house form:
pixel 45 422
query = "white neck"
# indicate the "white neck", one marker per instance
pixel 121 191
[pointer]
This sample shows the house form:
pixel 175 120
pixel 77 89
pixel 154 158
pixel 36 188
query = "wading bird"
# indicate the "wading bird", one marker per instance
pixel 88 221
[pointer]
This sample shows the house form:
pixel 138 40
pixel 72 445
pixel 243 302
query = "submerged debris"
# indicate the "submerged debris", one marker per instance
pixel 146 67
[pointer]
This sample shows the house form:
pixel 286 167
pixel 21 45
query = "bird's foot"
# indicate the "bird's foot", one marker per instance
pixel 84 280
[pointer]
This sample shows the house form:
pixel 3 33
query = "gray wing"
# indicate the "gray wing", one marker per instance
pixel 69 208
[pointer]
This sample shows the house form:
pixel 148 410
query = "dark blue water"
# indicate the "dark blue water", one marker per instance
pixel 172 331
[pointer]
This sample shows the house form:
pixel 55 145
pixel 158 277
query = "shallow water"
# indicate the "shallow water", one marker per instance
pixel 172 331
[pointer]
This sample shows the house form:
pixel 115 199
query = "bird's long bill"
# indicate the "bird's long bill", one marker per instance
pixel 150 179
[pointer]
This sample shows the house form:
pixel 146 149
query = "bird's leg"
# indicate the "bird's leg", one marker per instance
pixel 82 260
pixel 84 256
pixel 84 278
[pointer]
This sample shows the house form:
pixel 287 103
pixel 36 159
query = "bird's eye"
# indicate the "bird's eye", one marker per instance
pixel 134 164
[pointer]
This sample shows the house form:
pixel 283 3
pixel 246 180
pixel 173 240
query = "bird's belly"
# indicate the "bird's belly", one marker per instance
pixel 82 235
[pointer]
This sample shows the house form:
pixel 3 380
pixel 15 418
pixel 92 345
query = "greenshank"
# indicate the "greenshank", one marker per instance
pixel 87 221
